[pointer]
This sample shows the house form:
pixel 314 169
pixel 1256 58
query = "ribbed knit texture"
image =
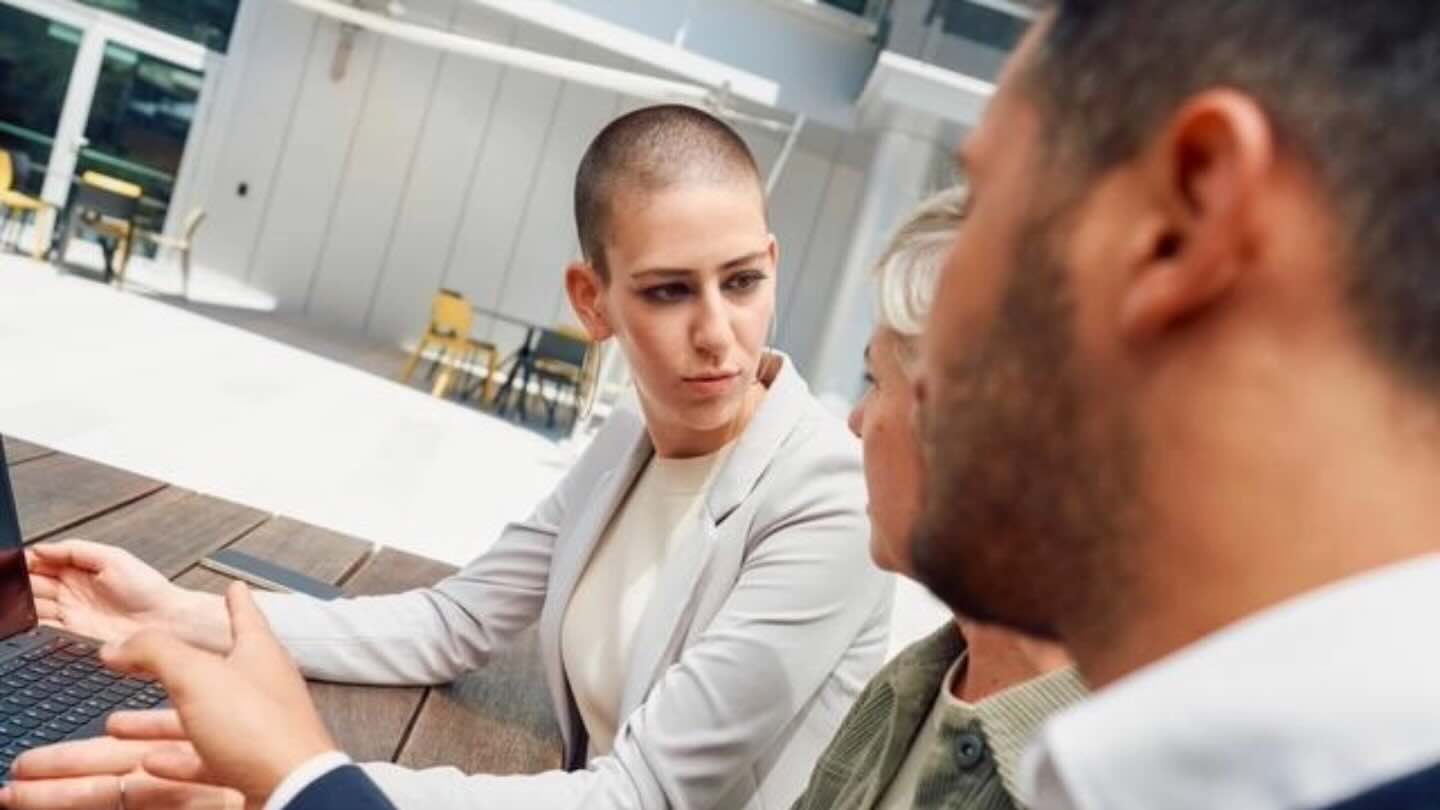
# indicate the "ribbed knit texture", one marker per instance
pixel 872 744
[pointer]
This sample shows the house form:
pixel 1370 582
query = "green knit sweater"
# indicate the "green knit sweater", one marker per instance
pixel 980 746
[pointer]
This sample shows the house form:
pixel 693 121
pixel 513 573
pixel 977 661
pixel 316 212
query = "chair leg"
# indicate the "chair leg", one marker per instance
pixel 442 382
pixel 464 379
pixel 185 272
pixel 549 403
pixel 5 227
pixel 122 260
pixel 414 360
pixel 38 252
pixel 493 361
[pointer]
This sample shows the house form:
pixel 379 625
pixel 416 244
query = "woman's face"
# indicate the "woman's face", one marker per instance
pixel 690 296
pixel 893 465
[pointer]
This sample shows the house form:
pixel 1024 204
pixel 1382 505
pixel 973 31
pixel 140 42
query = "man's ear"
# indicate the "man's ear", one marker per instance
pixel 1205 170
pixel 586 291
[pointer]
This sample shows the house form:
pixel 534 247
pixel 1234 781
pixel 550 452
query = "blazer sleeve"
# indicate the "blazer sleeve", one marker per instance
pixel 345 788
pixel 806 595
pixel 432 635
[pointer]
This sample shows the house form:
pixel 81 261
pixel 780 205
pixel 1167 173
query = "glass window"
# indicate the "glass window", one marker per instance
pixel 207 22
pixel 36 56
pixel 852 6
pixel 982 24
pixel 138 123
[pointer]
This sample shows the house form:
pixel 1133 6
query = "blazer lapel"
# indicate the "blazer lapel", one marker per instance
pixel 572 553
pixel 772 423
pixel 670 614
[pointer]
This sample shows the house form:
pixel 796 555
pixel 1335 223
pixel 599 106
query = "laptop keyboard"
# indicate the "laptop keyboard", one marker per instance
pixel 59 691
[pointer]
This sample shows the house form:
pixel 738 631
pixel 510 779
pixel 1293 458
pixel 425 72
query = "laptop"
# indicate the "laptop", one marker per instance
pixel 52 684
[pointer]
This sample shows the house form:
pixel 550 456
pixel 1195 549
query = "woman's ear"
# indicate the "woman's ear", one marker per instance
pixel 587 297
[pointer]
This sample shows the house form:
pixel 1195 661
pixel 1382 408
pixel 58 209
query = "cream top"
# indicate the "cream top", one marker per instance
pixel 604 614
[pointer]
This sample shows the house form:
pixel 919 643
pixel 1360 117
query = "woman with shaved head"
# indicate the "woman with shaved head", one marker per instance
pixel 706 606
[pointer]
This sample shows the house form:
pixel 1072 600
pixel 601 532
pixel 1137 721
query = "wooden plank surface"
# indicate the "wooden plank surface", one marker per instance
pixel 17 451
pixel 369 722
pixel 315 552
pixel 498 719
pixel 58 491
pixel 171 529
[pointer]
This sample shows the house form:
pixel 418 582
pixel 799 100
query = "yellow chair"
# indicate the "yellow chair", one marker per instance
pixel 181 244
pixel 448 333
pixel 121 230
pixel 22 204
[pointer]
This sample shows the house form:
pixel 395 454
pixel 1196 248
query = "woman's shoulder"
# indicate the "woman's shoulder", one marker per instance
pixel 813 460
pixel 818 437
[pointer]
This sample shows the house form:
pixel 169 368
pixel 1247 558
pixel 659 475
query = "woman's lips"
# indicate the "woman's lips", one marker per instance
pixel 710 385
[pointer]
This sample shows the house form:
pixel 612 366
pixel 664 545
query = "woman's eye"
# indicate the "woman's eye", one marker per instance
pixel 870 381
pixel 667 293
pixel 744 281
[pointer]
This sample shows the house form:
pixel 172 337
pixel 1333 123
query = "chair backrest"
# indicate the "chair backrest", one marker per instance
pixel 559 347
pixel 103 201
pixel 450 315
pixel 193 220
pixel 115 185
pixel 7 171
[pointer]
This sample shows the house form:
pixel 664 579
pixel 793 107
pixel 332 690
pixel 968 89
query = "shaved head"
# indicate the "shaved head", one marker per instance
pixel 650 150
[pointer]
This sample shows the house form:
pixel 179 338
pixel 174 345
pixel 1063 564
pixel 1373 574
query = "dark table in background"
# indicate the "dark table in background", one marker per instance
pixel 521 367
pixel 495 720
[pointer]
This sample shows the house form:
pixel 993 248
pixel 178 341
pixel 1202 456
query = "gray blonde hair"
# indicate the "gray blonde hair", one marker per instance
pixel 909 270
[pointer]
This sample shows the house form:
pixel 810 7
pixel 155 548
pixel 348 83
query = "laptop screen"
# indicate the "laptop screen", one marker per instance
pixel 17 606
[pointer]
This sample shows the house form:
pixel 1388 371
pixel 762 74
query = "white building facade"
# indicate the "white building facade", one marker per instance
pixel 349 174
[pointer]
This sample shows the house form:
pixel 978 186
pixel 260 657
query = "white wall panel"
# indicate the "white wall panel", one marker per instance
pixel 305 193
pixel 533 287
pixel 427 226
pixel 804 313
pixel 423 170
pixel 514 146
pixel 377 171
pixel 253 131
pixel 796 207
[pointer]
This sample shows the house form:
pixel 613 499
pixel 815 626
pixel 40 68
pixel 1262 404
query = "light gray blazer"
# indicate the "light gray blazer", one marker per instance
pixel 766 623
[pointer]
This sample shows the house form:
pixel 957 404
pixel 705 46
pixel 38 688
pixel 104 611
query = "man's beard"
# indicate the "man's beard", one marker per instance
pixel 1030 478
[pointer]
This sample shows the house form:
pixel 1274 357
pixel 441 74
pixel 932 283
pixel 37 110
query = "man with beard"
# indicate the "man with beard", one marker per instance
pixel 1182 407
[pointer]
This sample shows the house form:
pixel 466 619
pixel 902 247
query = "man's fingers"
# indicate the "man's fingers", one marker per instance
pixel 145 791
pixel 149 724
pixel 97 755
pixel 82 793
pixel 248 625
pixel 152 652
pixel 180 764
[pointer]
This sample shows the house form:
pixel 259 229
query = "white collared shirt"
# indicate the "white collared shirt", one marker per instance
pixel 1304 705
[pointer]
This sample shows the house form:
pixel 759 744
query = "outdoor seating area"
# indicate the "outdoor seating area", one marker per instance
pixel 560 366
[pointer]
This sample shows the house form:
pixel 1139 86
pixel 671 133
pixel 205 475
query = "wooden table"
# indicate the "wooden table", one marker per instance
pixel 494 720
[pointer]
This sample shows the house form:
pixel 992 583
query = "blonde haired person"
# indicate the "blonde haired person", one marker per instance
pixel 706 606
pixel 943 724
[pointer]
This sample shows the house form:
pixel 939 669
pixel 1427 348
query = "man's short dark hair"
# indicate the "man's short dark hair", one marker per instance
pixel 1352 88
pixel 649 150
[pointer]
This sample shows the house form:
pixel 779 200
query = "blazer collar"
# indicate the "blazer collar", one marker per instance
pixel 673 603
pixel 784 405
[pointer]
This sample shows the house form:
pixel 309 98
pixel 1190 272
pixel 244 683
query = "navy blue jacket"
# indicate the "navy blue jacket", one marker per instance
pixel 1418 791
pixel 345 788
